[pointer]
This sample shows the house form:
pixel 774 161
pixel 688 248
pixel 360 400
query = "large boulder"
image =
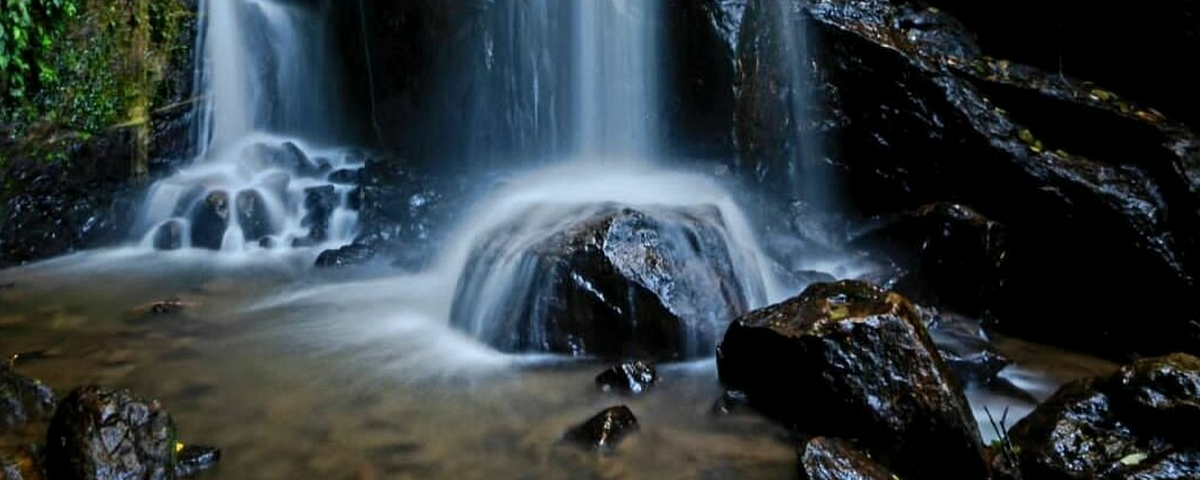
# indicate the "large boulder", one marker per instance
pixel 1099 196
pixel 832 459
pixel 616 282
pixel 22 399
pixel 1140 422
pixel 103 435
pixel 853 361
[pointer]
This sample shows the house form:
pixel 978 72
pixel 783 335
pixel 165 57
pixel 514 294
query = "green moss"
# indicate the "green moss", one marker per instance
pixel 111 63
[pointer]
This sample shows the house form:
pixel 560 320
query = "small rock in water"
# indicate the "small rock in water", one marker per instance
pixel 832 459
pixel 22 399
pixel 604 431
pixel 193 459
pixel 347 256
pixel 634 377
pixel 731 401
pixel 20 463
pixel 169 236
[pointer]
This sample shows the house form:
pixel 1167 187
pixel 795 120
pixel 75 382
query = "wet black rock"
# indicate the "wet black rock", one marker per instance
pixel 652 283
pixel 398 209
pixel 605 431
pixel 193 459
pixel 948 255
pixel 348 256
pixel 253 217
pixel 965 346
pixel 632 377
pixel 851 360
pixel 210 220
pixel 22 399
pixel 98 434
pixel 832 459
pixel 346 176
pixel 1092 189
pixel 1137 423
pixel 169 236
pixel 21 463
pixel 319 203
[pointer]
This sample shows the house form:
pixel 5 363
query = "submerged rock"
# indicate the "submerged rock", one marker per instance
pixel 22 399
pixel 617 283
pixel 633 377
pixel 1140 422
pixel 854 361
pixel 832 459
pixel 319 203
pixel 21 463
pixel 103 435
pixel 210 220
pixel 604 431
pixel 348 256
pixel 253 217
pixel 169 236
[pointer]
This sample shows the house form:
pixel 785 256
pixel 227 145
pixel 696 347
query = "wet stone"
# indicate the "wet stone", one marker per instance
pixel 100 434
pixel 832 459
pixel 633 378
pixel 604 431
pixel 193 459
pixel 169 236
pixel 22 399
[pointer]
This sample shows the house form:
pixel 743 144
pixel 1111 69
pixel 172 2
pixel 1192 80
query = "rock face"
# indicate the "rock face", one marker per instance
pixel 831 459
pixel 22 399
pixel 616 283
pixel 101 435
pixel 854 361
pixel 1075 173
pixel 604 431
pixel 634 378
pixel 1137 423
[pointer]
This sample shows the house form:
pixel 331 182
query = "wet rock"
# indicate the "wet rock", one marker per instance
pixel 22 399
pixel 345 176
pixel 831 459
pixel 169 236
pixel 21 463
pixel 949 255
pixel 1137 423
pixel 286 156
pixel 210 220
pixel 348 256
pixel 100 435
pixel 854 361
pixel 193 459
pixel 1074 172
pixel 965 347
pixel 253 216
pixel 319 203
pixel 731 401
pixel 633 377
pixel 604 431
pixel 399 208
pixel 651 284
pixel 700 73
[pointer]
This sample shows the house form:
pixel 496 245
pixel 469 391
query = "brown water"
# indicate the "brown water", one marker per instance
pixel 298 374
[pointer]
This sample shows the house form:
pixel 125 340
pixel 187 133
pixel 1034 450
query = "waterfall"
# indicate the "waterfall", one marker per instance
pixel 262 178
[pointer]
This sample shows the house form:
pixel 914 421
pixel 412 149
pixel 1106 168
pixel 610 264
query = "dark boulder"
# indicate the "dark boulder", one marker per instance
pixel 854 361
pixel 253 216
pixel 21 463
pixel 210 220
pixel 621 283
pixel 700 77
pixel 22 399
pixel 1137 423
pixel 348 256
pixel 605 431
pixel 1092 190
pixel 831 459
pixel 319 203
pixel 102 435
pixel 947 255
pixel 398 209
pixel 169 236
pixel 632 377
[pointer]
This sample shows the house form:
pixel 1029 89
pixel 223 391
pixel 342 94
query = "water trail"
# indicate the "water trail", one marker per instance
pixel 269 100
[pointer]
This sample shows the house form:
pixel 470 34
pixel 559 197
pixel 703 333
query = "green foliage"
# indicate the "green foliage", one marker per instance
pixel 29 29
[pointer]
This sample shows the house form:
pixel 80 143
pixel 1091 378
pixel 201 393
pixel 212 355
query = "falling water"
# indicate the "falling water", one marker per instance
pixel 261 178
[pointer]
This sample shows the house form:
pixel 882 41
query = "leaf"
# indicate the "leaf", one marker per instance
pixel 1134 459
